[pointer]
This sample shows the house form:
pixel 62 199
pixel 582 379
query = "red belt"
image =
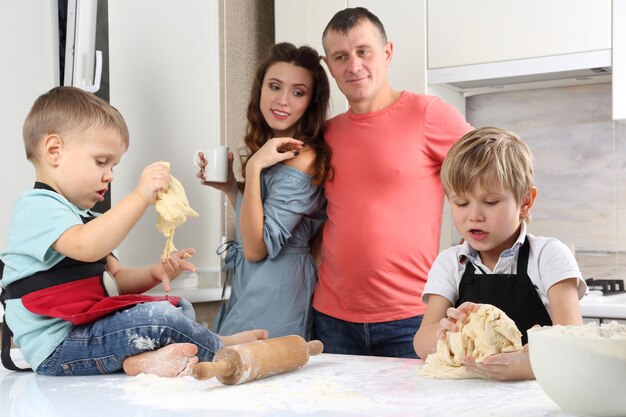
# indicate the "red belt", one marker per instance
pixel 83 301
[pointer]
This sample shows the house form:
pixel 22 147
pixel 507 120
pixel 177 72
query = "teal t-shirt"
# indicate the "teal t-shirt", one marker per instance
pixel 40 217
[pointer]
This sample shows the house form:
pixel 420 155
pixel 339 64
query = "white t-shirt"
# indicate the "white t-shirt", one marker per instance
pixel 549 262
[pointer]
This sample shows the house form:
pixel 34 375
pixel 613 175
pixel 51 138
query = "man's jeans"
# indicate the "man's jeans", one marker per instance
pixel 101 347
pixel 392 338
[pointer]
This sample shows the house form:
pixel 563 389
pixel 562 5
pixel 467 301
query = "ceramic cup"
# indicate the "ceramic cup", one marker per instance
pixel 216 169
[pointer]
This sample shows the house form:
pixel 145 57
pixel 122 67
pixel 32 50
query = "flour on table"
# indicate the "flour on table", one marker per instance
pixel 280 393
pixel 484 332
pixel 173 209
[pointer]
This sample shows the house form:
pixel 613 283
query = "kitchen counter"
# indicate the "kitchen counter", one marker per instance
pixel 329 385
pixel 594 305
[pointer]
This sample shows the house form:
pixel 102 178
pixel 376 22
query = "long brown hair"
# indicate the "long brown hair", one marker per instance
pixel 310 128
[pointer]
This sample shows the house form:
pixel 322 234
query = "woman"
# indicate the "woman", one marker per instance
pixel 280 204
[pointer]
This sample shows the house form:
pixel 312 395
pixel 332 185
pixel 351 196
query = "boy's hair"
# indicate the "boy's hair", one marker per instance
pixel 346 19
pixel 492 156
pixel 64 110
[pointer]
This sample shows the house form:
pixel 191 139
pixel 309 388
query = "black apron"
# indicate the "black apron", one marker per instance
pixel 515 294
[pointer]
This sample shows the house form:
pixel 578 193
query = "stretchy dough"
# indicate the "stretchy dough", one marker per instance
pixel 173 209
pixel 484 332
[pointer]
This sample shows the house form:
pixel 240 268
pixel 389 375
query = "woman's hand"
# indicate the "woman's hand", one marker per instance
pixel 226 187
pixel 170 268
pixel 274 151
pixel 454 315
pixel 511 366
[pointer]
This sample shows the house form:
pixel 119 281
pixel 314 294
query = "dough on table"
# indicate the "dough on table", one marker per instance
pixel 484 332
pixel 173 209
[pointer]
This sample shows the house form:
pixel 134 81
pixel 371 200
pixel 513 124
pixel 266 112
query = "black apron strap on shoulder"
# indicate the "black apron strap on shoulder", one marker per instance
pixel 522 263
pixel 468 275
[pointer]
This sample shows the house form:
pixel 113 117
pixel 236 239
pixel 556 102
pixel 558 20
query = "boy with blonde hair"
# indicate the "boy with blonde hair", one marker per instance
pixel 488 181
pixel 72 308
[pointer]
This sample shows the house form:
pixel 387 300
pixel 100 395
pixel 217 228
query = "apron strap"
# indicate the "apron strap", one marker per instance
pixel 7 335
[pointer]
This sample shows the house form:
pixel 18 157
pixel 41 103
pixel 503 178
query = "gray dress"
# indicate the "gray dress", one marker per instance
pixel 276 292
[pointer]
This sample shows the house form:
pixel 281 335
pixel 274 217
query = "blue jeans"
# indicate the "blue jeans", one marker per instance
pixel 391 338
pixel 101 347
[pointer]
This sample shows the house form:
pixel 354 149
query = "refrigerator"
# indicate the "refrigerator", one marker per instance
pixel 162 71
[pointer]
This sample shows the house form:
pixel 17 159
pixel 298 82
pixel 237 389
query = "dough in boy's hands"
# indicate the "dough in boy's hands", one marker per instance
pixel 484 332
pixel 173 209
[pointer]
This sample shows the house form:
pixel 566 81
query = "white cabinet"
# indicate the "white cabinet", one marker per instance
pixel 464 32
pixel 302 22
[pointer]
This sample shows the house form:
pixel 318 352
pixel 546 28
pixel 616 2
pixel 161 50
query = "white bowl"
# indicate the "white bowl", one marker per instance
pixel 582 368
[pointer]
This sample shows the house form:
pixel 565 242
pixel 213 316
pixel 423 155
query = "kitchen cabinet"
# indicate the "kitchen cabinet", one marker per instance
pixel 482 31
pixel 405 25
pixel 489 46
pixel 603 308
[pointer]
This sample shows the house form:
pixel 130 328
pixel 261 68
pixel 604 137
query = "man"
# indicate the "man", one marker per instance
pixel 385 201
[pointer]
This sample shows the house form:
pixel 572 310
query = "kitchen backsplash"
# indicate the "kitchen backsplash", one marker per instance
pixel 580 167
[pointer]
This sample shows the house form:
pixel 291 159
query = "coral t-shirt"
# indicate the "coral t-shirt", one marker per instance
pixel 384 208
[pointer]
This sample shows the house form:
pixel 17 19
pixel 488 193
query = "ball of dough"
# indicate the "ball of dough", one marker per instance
pixel 484 332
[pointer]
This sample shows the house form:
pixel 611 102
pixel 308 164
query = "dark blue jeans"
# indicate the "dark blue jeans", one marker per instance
pixel 101 347
pixel 391 338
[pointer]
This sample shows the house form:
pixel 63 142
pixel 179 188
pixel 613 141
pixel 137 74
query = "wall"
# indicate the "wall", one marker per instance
pixel 580 165
pixel 29 31
pixel 247 33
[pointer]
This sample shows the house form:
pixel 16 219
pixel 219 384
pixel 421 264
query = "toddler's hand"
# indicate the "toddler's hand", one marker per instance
pixel 154 178
pixel 170 268
pixel 455 315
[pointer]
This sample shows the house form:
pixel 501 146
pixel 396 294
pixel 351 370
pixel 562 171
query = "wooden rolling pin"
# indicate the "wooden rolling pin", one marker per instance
pixel 250 361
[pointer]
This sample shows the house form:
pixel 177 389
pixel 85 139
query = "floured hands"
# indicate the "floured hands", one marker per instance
pixel 510 366
pixel 454 315
pixel 155 177
pixel 172 267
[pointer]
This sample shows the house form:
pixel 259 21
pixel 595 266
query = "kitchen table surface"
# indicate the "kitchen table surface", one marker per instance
pixel 604 306
pixel 329 385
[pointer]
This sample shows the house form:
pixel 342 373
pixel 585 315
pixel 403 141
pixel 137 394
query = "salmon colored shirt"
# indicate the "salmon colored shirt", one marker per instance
pixel 384 208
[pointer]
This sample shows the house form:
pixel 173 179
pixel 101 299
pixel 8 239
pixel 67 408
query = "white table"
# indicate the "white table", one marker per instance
pixel 329 385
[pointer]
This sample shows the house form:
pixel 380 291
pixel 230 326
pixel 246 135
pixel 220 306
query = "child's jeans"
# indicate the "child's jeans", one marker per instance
pixel 101 347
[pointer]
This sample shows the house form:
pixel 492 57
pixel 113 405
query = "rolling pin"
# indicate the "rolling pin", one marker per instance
pixel 259 359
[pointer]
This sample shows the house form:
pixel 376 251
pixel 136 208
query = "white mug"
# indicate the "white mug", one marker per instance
pixel 216 169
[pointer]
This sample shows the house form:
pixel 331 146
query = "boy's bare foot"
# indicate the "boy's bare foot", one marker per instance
pixel 245 337
pixel 177 359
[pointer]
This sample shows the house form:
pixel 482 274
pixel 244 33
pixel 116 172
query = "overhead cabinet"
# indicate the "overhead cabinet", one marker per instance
pixel 464 32
pixel 460 43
